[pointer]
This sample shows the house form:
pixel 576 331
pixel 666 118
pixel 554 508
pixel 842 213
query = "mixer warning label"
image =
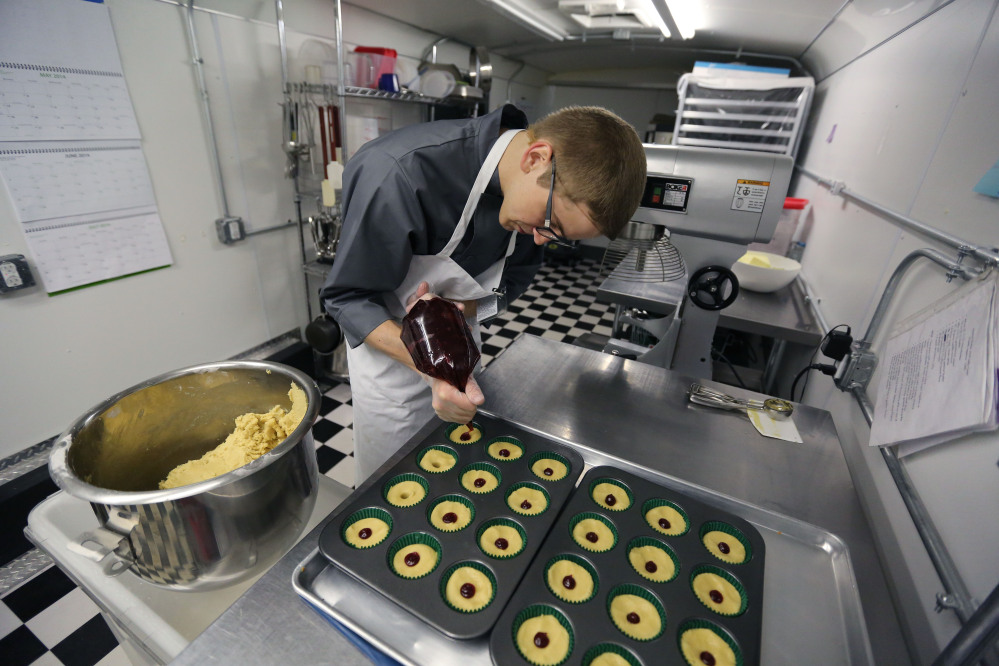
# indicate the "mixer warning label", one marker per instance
pixel 750 195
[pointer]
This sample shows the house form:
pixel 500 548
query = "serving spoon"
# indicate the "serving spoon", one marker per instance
pixel 775 408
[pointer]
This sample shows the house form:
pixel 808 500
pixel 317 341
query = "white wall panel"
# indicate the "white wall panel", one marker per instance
pixel 862 25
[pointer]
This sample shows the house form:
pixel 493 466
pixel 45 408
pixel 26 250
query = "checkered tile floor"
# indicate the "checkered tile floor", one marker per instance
pixel 48 621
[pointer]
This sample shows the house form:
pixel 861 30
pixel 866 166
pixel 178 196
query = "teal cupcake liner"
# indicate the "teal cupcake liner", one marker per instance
pixel 717 525
pixel 409 540
pixel 614 482
pixel 657 502
pixel 461 499
pixel 532 486
pixel 575 559
pixel 604 648
pixel 638 542
pixel 551 456
pixel 474 565
pixel 695 623
pixel 501 521
pixel 485 467
pixel 361 514
pixel 508 440
pixel 628 588
pixel 603 519
pixel 736 583
pixel 461 428
pixel 537 610
pixel 399 479
pixel 437 447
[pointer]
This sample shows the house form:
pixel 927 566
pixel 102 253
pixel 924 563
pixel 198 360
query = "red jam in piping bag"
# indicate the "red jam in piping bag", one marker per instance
pixel 440 343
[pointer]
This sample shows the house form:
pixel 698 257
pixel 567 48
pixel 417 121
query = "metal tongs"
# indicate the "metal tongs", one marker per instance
pixel 773 407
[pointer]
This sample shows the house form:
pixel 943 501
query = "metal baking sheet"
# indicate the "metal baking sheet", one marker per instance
pixel 811 605
pixel 590 621
pixel 423 596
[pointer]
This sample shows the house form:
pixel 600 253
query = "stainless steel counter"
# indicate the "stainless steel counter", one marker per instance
pixel 783 314
pixel 610 409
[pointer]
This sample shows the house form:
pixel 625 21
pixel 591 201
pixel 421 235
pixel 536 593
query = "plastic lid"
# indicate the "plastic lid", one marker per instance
pixel 795 204
pixel 377 50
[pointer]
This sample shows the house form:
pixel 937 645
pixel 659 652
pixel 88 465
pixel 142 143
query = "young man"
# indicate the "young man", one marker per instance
pixel 461 208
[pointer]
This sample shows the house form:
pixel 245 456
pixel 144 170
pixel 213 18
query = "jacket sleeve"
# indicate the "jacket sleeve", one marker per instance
pixel 382 224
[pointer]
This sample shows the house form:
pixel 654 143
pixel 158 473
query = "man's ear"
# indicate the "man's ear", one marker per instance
pixel 537 155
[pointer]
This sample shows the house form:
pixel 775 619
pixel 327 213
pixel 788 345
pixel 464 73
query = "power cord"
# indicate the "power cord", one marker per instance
pixel 836 345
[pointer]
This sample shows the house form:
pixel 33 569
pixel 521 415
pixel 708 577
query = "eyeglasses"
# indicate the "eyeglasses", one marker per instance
pixel 546 231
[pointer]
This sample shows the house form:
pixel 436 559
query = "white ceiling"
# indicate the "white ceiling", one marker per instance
pixel 783 28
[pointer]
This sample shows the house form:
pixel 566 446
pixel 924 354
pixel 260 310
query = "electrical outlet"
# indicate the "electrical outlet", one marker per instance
pixel 15 273
pixel 230 229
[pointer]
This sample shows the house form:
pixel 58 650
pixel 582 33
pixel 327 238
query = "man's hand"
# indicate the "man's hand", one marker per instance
pixel 451 404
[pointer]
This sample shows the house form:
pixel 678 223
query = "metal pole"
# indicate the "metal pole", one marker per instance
pixel 840 189
pixel 975 637
pixel 198 66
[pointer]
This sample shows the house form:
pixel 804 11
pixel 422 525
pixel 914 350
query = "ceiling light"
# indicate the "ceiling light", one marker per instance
pixel 529 18
pixel 679 17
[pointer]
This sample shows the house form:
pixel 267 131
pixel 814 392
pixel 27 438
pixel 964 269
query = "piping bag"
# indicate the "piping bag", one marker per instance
pixel 440 343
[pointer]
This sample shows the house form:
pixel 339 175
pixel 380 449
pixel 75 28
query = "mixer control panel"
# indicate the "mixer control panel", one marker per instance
pixel 667 193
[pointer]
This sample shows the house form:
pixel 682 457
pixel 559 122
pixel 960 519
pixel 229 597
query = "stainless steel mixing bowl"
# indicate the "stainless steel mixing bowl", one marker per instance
pixel 208 534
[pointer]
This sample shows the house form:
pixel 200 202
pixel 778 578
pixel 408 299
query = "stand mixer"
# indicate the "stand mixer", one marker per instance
pixel 713 203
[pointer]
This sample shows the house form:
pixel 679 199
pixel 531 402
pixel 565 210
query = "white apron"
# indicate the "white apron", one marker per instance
pixel 390 401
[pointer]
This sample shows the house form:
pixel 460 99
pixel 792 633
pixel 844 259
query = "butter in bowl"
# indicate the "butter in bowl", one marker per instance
pixel 765 272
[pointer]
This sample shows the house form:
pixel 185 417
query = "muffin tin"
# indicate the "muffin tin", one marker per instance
pixel 422 596
pixel 590 621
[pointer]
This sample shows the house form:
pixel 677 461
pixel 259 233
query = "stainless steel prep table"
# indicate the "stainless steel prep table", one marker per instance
pixel 610 409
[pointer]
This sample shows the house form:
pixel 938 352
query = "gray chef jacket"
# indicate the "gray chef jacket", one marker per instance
pixel 403 194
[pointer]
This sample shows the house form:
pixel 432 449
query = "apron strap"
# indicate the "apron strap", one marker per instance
pixel 478 187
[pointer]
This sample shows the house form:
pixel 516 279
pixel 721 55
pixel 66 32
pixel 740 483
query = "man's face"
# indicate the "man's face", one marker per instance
pixel 524 207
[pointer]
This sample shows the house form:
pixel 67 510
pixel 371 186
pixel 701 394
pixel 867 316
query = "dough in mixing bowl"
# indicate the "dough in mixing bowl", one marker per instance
pixel 255 435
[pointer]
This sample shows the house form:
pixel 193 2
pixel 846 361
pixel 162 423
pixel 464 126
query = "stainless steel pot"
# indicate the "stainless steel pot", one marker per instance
pixel 205 535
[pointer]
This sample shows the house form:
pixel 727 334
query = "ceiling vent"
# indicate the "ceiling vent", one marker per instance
pixel 610 14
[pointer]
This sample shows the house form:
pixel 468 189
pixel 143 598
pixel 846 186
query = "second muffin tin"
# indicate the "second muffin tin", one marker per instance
pixel 423 596
pixel 590 623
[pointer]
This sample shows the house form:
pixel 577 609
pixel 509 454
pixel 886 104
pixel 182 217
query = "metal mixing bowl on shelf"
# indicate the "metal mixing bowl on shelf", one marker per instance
pixel 204 535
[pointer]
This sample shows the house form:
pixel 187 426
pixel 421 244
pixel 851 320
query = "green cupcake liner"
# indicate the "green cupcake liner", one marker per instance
pixel 537 610
pixel 604 648
pixel 638 542
pixel 713 525
pixel 509 440
pixel 474 565
pixel 409 540
pixel 619 484
pixel 501 521
pixel 583 516
pixel 485 467
pixel 736 583
pixel 464 428
pixel 437 447
pixel 533 486
pixel 575 559
pixel 361 514
pixel 552 456
pixel 461 499
pixel 399 479
pixel 657 502
pixel 704 624
pixel 628 588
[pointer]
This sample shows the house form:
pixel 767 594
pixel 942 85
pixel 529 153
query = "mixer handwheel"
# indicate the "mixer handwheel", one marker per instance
pixel 713 287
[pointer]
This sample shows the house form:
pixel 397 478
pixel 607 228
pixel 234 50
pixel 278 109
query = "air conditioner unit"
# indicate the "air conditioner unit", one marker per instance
pixel 609 14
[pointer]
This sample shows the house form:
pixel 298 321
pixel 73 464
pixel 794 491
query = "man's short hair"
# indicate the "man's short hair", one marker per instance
pixel 601 163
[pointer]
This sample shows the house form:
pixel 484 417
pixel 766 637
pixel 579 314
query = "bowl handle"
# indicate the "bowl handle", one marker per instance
pixel 103 544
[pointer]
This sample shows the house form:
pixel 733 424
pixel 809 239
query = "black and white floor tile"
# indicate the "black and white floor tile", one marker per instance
pixel 48 621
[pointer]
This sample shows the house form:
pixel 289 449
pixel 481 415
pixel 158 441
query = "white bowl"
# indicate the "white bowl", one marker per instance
pixel 437 83
pixel 765 272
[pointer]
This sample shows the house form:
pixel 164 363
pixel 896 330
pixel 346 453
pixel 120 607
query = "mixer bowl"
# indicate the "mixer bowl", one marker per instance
pixel 204 535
